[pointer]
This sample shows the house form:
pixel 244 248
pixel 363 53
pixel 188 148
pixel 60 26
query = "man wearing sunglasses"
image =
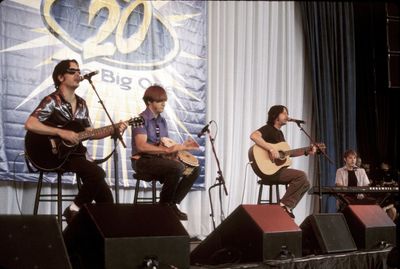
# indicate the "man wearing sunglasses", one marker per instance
pixel 56 111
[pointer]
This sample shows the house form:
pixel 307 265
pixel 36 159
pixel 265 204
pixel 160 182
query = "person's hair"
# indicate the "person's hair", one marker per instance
pixel 154 93
pixel 274 112
pixel 349 152
pixel 61 69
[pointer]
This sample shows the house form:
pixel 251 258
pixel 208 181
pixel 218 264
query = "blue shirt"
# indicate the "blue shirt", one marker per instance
pixel 149 128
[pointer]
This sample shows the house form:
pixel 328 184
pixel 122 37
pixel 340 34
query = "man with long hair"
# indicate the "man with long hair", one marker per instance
pixel 267 137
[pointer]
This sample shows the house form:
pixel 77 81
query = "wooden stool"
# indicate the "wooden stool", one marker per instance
pixel 59 197
pixel 260 200
pixel 145 200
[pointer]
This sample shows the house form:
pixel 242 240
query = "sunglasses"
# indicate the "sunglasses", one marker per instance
pixel 72 71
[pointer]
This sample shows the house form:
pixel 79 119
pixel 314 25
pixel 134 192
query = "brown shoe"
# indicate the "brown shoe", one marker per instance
pixel 69 214
pixel 181 215
pixel 288 211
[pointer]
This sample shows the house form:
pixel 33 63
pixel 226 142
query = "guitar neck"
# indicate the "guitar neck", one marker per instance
pixel 293 151
pixel 106 130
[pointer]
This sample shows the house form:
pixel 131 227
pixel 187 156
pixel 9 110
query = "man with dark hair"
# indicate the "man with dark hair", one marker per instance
pixel 50 118
pixel 267 137
pixel 153 158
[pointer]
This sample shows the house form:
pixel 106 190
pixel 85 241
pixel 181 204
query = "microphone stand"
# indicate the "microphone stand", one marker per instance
pixel 116 136
pixel 319 150
pixel 219 182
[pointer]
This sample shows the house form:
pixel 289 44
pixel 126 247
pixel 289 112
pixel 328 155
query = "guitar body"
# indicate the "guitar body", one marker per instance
pixel 51 152
pixel 262 164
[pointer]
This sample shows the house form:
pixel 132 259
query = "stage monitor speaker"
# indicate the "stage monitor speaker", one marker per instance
pixel 127 236
pixel 370 226
pixel 326 233
pixel 252 233
pixel 31 242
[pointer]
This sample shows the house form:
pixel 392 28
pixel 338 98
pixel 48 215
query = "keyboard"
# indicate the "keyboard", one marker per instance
pixel 335 189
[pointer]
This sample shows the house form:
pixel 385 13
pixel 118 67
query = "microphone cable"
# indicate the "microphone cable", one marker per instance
pixel 15 181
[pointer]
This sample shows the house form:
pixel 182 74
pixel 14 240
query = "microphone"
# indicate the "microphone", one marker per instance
pixel 204 130
pixel 88 76
pixel 296 121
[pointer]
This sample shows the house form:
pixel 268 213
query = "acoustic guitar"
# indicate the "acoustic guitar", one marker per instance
pixel 264 165
pixel 49 153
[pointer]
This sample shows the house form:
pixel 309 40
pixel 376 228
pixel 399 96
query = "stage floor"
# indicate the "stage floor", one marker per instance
pixel 352 260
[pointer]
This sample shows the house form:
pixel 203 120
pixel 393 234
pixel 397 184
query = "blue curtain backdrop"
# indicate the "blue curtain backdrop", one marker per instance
pixel 329 30
pixel 132 44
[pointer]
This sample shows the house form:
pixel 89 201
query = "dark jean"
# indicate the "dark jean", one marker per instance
pixel 94 187
pixel 169 173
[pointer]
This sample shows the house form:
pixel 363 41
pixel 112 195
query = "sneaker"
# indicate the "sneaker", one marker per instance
pixel 288 211
pixel 181 215
pixel 69 214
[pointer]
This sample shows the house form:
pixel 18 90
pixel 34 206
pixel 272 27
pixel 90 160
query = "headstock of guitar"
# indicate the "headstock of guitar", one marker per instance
pixel 136 121
pixel 320 147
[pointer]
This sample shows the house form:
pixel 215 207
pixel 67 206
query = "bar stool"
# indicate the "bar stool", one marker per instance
pixel 59 197
pixel 269 200
pixel 145 200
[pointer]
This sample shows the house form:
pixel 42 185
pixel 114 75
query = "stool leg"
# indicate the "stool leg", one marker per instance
pixel 260 190
pixel 153 190
pixel 137 189
pixel 271 201
pixel 38 192
pixel 59 200
pixel 278 198
pixel 78 182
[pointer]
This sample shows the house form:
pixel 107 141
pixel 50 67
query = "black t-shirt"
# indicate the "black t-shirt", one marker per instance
pixel 271 135
pixel 352 180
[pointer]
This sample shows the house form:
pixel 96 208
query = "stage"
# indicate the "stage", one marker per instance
pixel 114 237
pixel 352 260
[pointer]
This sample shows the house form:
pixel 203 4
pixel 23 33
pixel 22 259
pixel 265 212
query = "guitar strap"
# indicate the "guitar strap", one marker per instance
pixel 158 133
pixel 99 161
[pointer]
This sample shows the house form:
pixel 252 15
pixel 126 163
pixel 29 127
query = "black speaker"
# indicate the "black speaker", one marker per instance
pixel 127 236
pixel 31 242
pixel 370 226
pixel 326 233
pixel 252 233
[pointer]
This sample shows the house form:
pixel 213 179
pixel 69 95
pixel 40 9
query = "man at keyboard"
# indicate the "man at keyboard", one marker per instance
pixel 351 175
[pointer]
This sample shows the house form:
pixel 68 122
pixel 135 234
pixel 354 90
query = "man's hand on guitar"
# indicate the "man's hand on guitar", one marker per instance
pixel 122 126
pixel 68 135
pixel 311 150
pixel 315 149
pixel 274 154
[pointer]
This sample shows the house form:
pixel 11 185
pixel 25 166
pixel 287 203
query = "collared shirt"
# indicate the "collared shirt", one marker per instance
pixel 342 177
pixel 54 110
pixel 150 129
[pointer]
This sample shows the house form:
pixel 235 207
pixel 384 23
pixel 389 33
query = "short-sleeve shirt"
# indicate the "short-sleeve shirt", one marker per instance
pixel 271 134
pixel 56 111
pixel 151 124
pixel 342 177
